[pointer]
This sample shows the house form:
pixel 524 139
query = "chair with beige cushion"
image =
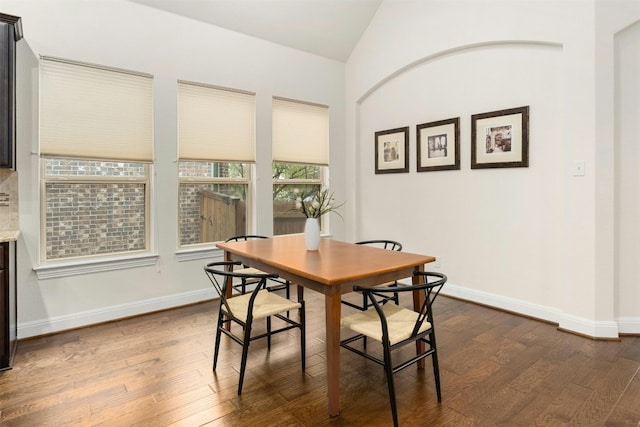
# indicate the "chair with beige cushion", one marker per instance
pixel 275 284
pixel 245 309
pixel 391 245
pixel 395 327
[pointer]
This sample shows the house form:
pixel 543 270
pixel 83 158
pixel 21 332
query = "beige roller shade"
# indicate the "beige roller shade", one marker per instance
pixel 215 124
pixel 93 112
pixel 300 132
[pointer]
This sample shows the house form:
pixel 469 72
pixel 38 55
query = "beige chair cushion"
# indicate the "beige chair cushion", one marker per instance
pixel 266 304
pixel 248 270
pixel 400 322
pixel 251 270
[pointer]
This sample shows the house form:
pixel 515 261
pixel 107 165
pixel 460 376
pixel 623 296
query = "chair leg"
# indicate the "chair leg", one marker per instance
pixel 388 368
pixel 216 349
pixel 436 368
pixel 365 306
pixel 287 292
pixel 245 352
pixel 303 334
pixel 269 333
pixel 396 298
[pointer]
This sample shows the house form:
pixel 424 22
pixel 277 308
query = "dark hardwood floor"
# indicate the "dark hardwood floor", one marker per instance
pixel 155 370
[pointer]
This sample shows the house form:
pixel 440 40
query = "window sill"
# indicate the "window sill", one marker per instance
pixel 197 253
pixel 85 266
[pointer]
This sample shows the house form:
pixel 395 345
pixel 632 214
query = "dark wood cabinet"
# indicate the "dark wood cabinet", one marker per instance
pixel 10 33
pixel 8 304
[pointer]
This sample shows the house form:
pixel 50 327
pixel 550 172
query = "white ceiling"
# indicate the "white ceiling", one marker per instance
pixel 329 28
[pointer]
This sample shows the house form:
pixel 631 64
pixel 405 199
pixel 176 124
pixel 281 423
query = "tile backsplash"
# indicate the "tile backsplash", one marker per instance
pixel 9 220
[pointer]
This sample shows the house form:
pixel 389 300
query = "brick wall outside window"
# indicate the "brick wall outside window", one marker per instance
pixel 94 219
pixel 78 168
pixel 93 207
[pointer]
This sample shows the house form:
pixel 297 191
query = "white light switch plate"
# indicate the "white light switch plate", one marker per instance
pixel 578 168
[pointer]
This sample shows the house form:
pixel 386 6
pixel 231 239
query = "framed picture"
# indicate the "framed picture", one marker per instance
pixel 438 145
pixel 392 150
pixel 500 139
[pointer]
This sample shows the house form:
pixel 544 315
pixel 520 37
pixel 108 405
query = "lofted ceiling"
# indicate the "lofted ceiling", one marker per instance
pixel 329 28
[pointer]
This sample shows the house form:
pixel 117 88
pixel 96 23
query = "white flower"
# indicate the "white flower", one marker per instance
pixel 316 204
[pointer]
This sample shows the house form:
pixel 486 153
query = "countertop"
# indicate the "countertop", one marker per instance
pixel 9 236
pixel 9 214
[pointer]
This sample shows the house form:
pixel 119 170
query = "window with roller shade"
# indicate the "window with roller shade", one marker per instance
pixel 96 155
pixel 300 158
pixel 216 150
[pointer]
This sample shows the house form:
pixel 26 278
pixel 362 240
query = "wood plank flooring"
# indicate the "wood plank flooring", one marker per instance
pixel 155 370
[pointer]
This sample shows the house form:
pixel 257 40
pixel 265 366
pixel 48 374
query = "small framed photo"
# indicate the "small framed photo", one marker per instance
pixel 438 145
pixel 392 150
pixel 500 139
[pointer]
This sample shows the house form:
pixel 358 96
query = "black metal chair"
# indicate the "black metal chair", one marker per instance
pixel 274 284
pixel 244 309
pixel 395 327
pixel 391 245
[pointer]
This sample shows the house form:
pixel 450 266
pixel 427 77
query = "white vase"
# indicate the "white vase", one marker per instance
pixel 312 234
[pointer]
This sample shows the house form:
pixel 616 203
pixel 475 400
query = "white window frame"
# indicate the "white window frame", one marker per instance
pixel 99 262
pixel 199 101
pixel 50 269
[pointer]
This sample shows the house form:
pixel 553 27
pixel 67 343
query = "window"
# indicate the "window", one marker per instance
pixel 96 147
pixel 300 157
pixel 216 141
pixel 94 207
pixel 288 177
pixel 212 201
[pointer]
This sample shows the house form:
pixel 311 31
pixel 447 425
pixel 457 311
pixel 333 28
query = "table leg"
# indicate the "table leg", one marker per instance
pixel 332 308
pixel 418 300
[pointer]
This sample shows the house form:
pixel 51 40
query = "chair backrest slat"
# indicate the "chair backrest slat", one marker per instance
pixel 245 237
pixel 391 245
pixel 224 269
pixel 213 274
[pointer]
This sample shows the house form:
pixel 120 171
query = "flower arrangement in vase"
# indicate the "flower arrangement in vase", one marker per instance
pixel 313 206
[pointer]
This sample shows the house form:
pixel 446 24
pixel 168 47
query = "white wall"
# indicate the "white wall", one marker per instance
pixel 131 36
pixel 534 240
pixel 624 41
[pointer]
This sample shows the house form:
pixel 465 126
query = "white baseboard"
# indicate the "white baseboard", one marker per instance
pixel 567 322
pixel 589 328
pixel 564 321
pixel 77 320
pixel 629 325
pixel 524 308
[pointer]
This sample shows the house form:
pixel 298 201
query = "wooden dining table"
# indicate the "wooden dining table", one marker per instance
pixel 334 269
